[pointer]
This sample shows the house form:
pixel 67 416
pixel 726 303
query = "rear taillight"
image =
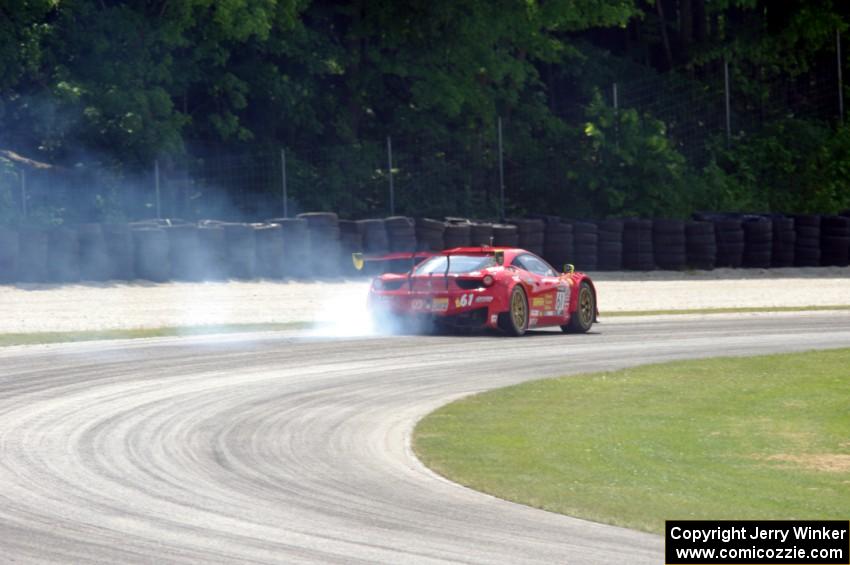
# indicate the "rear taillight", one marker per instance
pixel 488 280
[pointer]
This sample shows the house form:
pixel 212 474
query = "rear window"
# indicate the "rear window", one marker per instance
pixel 458 264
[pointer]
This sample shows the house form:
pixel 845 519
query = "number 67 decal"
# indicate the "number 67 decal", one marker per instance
pixel 464 300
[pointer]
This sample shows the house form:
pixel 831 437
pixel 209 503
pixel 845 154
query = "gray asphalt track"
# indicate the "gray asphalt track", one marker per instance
pixel 277 448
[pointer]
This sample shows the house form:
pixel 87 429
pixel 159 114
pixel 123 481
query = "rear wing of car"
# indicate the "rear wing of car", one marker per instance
pixel 398 263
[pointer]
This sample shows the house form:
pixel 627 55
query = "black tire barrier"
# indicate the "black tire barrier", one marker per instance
pixel 32 255
pixel 558 246
pixel 296 247
pixel 270 255
pixel 323 230
pixel 212 250
pixel 63 255
pixel 784 238
pixel 350 241
pixel 758 242
pixel 458 235
pixel 184 253
pixel 807 251
pixel 638 251
pixel 585 246
pixel 729 234
pixel 610 245
pixel 835 241
pixel 151 252
pixel 94 259
pixel 401 232
pixel 429 234
pixel 505 235
pixel 669 244
pixel 241 248
pixel 531 233
pixel 120 251
pixel 375 240
pixel 701 245
pixel 8 255
pixel 481 234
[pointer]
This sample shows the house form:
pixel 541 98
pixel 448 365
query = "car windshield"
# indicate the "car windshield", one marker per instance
pixel 459 264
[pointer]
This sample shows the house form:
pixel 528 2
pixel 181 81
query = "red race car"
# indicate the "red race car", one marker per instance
pixel 482 287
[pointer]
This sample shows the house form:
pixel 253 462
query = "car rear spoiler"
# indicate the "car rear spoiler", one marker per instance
pixel 399 263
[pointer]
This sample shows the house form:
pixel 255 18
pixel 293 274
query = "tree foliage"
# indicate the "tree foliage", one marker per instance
pixel 118 84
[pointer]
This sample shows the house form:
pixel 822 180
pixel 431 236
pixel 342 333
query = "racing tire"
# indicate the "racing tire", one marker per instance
pixel 514 322
pixel 582 319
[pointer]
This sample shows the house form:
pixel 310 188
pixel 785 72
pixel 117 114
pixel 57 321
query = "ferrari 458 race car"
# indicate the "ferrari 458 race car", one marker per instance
pixel 482 287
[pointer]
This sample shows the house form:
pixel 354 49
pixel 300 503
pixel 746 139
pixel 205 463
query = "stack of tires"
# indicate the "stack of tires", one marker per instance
pixel 374 234
pixel 271 259
pixel 669 244
pixel 531 234
pixel 458 233
pixel 729 235
pixel 429 234
pixel 758 242
pixel 585 246
pixel 324 242
pixel 63 255
pixel 784 238
pixel 8 255
pixel 558 244
pixel 637 245
pixel 401 232
pixel 241 247
pixel 151 252
pixel 296 247
pixel 701 245
pixel 610 241
pixel 212 250
pixel 184 252
pixel 94 259
pixel 505 235
pixel 481 233
pixel 32 255
pixel 835 241
pixel 350 242
pixel 807 243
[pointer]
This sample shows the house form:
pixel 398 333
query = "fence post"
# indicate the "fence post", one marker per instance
pixel 616 97
pixel 390 169
pixel 728 109
pixel 501 173
pixel 840 81
pixel 156 185
pixel 24 192
pixel 283 182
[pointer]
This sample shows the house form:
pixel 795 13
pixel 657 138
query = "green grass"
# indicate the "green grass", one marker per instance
pixel 727 310
pixel 59 337
pixel 730 438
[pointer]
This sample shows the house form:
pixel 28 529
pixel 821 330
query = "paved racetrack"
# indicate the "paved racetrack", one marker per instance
pixel 280 448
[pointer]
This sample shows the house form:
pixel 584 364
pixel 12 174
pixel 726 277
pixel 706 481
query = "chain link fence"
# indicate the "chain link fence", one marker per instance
pixel 424 175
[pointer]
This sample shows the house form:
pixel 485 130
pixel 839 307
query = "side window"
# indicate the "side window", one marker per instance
pixel 534 265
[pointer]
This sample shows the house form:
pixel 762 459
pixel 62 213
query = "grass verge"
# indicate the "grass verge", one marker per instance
pixel 59 337
pixel 730 438
pixel 727 310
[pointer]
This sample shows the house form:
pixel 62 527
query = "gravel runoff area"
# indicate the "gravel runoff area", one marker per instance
pixel 28 308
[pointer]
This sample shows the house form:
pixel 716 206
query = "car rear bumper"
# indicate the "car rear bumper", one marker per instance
pixel 469 309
